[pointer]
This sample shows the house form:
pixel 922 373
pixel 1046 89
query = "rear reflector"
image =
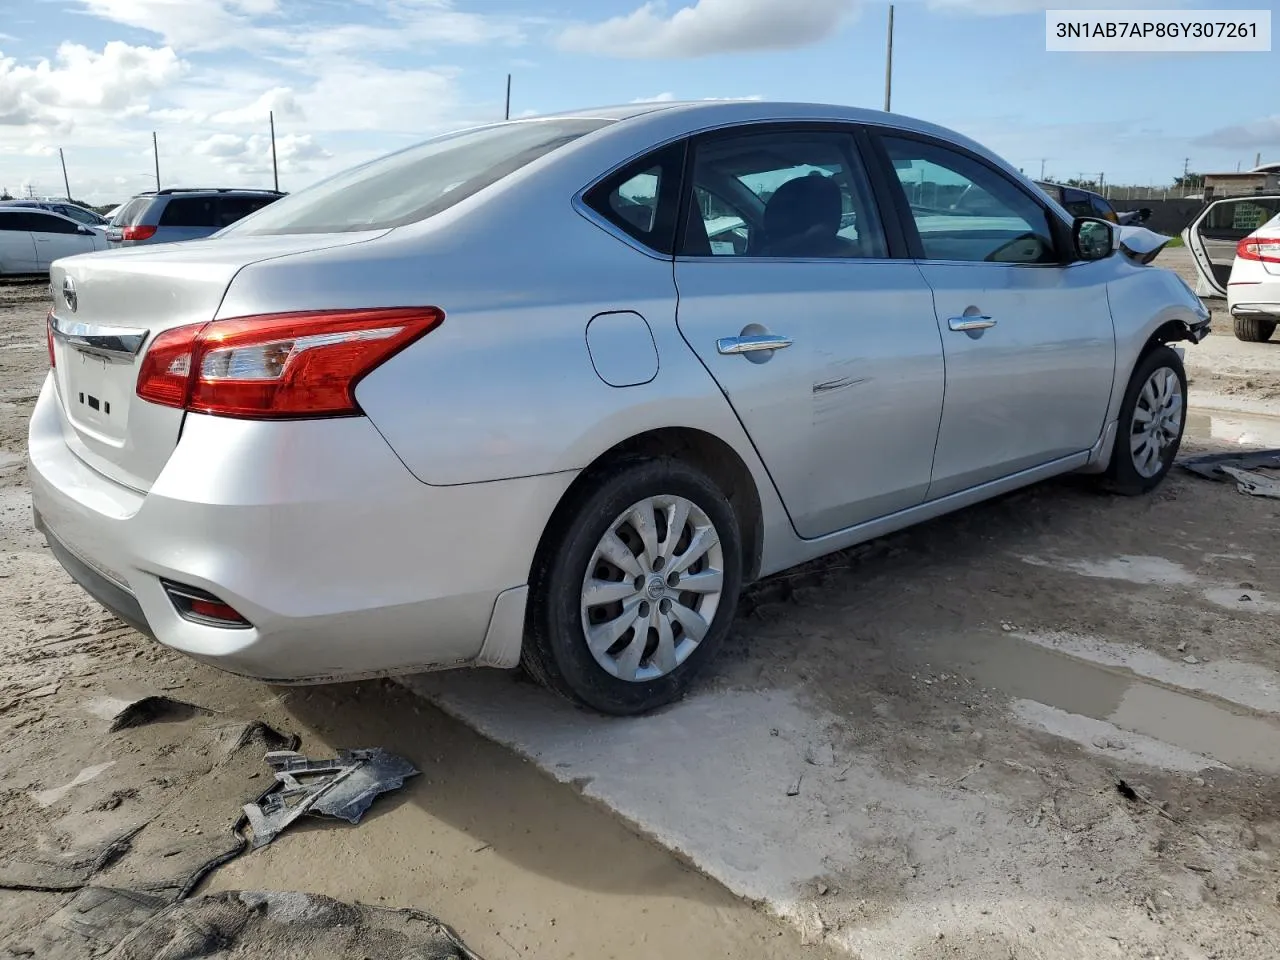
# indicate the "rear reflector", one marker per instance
pixel 201 606
pixel 288 365
pixel 1263 249
pixel 138 233
pixel 48 336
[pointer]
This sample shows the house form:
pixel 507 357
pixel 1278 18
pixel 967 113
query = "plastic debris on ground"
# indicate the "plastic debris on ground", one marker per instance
pixel 343 787
pixel 1251 472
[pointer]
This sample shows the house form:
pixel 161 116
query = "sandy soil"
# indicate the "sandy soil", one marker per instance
pixel 1042 728
pixel 520 865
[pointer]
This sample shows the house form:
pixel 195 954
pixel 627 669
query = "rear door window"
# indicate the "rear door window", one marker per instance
pixel 190 212
pixel 13 221
pixel 419 182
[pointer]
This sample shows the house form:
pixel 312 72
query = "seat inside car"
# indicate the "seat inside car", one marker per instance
pixel 802 219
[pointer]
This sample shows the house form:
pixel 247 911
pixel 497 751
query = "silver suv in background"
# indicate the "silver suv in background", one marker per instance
pixel 179 213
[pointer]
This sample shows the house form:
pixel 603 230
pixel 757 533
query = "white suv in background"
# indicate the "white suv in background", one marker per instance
pixel 1236 245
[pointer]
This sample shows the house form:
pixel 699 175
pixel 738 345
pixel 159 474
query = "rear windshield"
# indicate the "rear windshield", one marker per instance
pixel 415 183
pixel 131 212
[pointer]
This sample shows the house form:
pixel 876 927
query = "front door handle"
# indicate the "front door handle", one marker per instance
pixel 729 346
pixel 969 323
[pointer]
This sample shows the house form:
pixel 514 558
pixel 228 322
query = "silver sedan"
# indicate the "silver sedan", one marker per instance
pixel 549 392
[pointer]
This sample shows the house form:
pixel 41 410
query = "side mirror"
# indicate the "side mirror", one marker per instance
pixel 82 229
pixel 1092 238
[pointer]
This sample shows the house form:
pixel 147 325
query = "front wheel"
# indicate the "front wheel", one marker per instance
pixel 1152 419
pixel 636 588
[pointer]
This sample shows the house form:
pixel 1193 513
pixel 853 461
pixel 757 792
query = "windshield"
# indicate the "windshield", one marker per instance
pixel 416 183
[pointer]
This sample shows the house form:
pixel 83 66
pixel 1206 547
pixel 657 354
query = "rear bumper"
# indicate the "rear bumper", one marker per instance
pixel 1264 311
pixel 343 562
pixel 115 596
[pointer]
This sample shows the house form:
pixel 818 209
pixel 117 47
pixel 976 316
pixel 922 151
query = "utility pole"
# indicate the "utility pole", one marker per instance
pixel 275 170
pixel 888 65
pixel 507 113
pixel 155 150
pixel 65 182
pixel 1043 161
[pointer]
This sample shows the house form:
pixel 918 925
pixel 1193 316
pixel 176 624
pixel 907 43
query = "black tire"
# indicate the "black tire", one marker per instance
pixel 555 651
pixel 1123 476
pixel 1254 329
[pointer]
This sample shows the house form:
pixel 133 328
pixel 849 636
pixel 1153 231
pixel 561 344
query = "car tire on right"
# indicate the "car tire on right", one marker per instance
pixel 1152 419
pixel 1254 329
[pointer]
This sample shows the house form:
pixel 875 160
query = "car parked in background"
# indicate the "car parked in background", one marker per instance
pixel 72 210
pixel 184 213
pixel 1087 203
pixel 32 238
pixel 1236 246
pixel 550 391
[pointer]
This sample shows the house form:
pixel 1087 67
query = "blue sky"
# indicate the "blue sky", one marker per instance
pixel 351 79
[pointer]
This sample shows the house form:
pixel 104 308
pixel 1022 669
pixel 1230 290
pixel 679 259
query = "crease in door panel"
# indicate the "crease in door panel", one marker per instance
pixel 942 348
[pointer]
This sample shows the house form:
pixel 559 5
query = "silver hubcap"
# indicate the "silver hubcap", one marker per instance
pixel 1157 421
pixel 652 588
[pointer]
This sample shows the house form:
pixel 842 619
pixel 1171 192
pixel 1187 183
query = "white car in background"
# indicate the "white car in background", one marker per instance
pixel 31 239
pixel 1236 245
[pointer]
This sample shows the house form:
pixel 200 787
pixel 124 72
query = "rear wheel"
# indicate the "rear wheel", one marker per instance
pixel 1152 418
pixel 1254 329
pixel 637 588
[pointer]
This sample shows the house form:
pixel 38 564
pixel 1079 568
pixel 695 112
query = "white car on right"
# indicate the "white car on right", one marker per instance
pixel 1236 245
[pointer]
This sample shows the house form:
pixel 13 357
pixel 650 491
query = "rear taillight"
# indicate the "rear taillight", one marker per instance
pixel 145 232
pixel 288 365
pixel 48 336
pixel 1264 249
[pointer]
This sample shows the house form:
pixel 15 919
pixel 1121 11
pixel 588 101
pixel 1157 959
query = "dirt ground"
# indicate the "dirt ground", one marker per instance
pixel 1042 728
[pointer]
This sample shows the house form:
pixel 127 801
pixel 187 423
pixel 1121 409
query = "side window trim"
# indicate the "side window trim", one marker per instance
pixel 860 147
pixel 1061 232
pixel 667 216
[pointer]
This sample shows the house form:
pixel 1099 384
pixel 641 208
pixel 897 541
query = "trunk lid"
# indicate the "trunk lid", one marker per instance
pixel 108 307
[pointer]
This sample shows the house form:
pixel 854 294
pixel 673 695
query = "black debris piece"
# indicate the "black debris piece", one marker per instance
pixel 343 787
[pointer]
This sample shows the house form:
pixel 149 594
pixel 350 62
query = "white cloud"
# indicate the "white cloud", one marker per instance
pixel 278 100
pixel 119 78
pixel 1000 8
pixel 199 24
pixel 710 27
pixel 251 156
pixel 1250 136
pixel 265 25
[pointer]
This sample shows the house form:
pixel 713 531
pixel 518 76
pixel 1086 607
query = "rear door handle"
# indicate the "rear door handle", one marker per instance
pixel 729 346
pixel 969 323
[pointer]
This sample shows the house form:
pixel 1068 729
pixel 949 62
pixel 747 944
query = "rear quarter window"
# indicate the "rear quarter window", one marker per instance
pixel 231 209
pixel 190 212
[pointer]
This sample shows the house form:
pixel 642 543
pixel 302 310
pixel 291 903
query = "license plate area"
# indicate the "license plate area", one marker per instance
pixel 97 392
